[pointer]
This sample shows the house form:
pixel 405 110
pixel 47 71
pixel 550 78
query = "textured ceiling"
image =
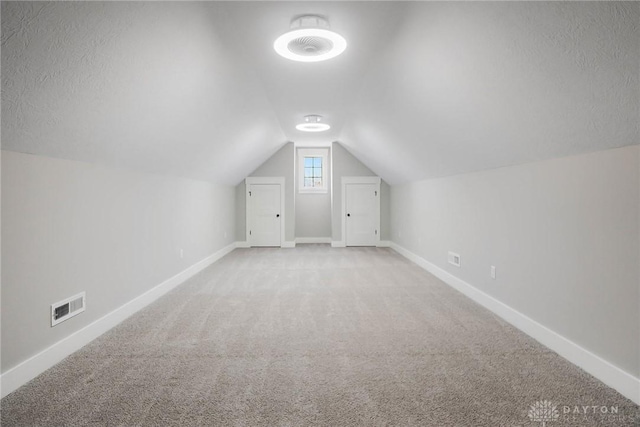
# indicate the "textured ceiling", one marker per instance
pixel 466 86
pixel 423 90
pixel 156 87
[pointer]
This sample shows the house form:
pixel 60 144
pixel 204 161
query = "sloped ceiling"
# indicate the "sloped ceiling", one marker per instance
pixel 466 86
pixel 156 87
pixel 424 89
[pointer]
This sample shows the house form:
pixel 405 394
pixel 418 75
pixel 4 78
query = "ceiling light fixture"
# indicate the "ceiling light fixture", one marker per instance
pixel 312 124
pixel 310 40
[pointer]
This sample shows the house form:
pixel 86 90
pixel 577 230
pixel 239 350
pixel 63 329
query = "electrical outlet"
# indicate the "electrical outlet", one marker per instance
pixel 454 259
pixel 493 272
pixel 225 234
pixel 181 253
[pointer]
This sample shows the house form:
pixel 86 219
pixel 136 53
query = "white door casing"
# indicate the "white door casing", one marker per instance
pixel 265 211
pixel 361 211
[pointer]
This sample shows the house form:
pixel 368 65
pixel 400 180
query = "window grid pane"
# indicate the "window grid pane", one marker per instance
pixel 313 172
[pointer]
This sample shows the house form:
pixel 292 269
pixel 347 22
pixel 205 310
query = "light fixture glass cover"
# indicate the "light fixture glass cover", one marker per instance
pixel 310 40
pixel 312 124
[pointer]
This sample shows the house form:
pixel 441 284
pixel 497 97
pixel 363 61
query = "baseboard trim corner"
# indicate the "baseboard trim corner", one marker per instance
pixel 27 370
pixel 383 244
pixel 242 244
pixel 338 244
pixel 288 244
pixel 614 377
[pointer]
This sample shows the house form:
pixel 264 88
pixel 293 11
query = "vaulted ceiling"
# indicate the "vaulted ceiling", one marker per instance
pixel 424 89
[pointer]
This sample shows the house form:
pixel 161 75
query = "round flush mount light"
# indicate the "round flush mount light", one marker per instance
pixel 312 124
pixel 310 40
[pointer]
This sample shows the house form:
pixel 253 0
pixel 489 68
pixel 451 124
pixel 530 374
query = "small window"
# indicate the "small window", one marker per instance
pixel 312 170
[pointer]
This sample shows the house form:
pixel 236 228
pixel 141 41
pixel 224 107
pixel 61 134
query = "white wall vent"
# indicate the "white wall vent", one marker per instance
pixel 67 308
pixel 454 259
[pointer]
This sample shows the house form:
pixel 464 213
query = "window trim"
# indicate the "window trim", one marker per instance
pixel 313 152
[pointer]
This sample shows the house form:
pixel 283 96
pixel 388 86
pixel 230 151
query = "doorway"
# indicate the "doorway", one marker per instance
pixel 361 206
pixel 265 211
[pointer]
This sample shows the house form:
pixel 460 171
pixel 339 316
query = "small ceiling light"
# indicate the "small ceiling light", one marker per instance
pixel 312 124
pixel 310 40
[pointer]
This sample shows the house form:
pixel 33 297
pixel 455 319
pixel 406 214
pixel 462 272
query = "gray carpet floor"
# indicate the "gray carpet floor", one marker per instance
pixel 312 336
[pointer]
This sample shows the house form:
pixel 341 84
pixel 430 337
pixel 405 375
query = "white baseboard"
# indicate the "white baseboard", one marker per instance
pixel 625 383
pixel 380 244
pixel 35 365
pixel 303 240
pixel 287 244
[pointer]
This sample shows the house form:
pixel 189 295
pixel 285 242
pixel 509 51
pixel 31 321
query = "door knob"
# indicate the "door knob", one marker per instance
pixel 277 215
pixel 348 214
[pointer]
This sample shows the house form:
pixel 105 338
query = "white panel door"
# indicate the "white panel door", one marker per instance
pixel 362 216
pixel 265 221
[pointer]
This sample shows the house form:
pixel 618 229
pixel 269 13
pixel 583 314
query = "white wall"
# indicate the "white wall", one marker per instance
pixel 241 212
pixel 313 215
pixel 69 226
pixel 385 211
pixel 563 234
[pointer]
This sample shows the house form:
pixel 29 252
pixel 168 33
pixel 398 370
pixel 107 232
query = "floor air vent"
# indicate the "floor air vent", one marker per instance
pixel 67 308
